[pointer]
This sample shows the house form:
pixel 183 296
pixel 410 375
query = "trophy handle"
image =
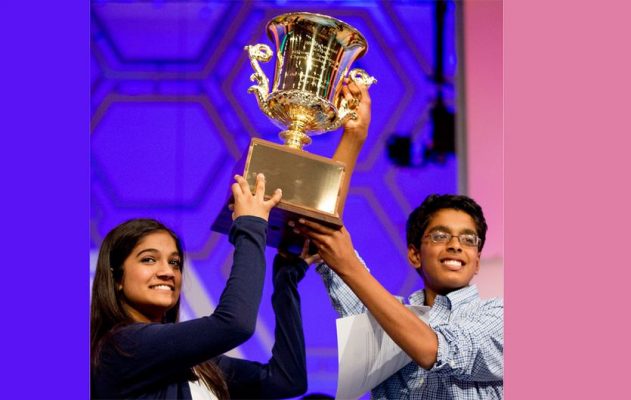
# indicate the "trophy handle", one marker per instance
pixel 360 77
pixel 256 53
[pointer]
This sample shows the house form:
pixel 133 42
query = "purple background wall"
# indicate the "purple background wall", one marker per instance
pixel 170 115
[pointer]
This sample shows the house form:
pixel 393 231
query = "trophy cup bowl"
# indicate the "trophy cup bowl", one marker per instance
pixel 314 53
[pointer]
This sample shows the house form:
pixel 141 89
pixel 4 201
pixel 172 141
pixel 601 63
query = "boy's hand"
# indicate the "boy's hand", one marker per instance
pixel 357 94
pixel 335 246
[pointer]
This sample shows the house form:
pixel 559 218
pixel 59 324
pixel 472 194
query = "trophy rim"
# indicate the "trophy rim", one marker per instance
pixel 346 25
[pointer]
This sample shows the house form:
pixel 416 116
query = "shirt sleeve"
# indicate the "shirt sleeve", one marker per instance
pixel 285 374
pixel 473 349
pixel 342 297
pixel 143 355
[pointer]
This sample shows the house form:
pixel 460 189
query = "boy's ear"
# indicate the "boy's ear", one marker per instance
pixel 414 256
pixel 477 264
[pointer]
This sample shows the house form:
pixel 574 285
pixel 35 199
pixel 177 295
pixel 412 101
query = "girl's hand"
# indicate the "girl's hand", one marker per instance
pixel 246 203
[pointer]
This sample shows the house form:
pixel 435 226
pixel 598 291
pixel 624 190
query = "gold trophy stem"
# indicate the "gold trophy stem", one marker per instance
pixel 295 136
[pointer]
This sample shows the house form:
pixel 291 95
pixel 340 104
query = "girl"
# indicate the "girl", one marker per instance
pixel 140 350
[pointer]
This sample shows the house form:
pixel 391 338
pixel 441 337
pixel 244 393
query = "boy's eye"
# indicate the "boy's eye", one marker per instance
pixel 440 236
pixel 469 240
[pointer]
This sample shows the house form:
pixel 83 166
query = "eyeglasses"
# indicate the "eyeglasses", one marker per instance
pixel 466 239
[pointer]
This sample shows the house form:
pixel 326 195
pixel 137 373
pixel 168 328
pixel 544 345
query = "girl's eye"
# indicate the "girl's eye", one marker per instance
pixel 176 263
pixel 148 260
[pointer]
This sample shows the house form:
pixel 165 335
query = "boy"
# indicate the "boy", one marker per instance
pixel 459 355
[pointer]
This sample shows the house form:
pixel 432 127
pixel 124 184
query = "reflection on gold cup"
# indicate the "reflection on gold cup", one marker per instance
pixel 313 55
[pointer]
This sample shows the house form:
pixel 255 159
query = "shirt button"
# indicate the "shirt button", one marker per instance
pixel 421 381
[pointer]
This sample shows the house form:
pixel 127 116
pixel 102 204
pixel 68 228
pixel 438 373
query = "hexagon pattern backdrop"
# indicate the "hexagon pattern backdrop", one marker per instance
pixel 170 115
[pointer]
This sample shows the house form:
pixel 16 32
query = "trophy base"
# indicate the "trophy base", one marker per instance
pixel 311 187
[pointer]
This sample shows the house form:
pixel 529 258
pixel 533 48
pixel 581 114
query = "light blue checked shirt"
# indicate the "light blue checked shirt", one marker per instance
pixel 470 361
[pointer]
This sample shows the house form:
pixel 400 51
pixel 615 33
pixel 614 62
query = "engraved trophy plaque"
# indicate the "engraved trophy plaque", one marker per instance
pixel 313 55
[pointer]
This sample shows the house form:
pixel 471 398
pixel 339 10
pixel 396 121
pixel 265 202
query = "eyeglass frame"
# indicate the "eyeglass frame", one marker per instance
pixel 451 236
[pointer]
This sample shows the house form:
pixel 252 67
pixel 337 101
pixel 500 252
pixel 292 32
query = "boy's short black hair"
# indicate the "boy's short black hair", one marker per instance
pixel 419 218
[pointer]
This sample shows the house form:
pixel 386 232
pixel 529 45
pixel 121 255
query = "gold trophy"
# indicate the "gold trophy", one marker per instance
pixel 313 55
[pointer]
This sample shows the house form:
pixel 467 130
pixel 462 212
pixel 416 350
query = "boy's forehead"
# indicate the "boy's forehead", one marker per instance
pixel 455 220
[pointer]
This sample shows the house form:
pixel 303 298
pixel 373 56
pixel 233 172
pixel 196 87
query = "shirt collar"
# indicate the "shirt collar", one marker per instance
pixel 456 297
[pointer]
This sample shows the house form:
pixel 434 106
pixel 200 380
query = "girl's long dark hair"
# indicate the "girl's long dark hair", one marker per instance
pixel 107 311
